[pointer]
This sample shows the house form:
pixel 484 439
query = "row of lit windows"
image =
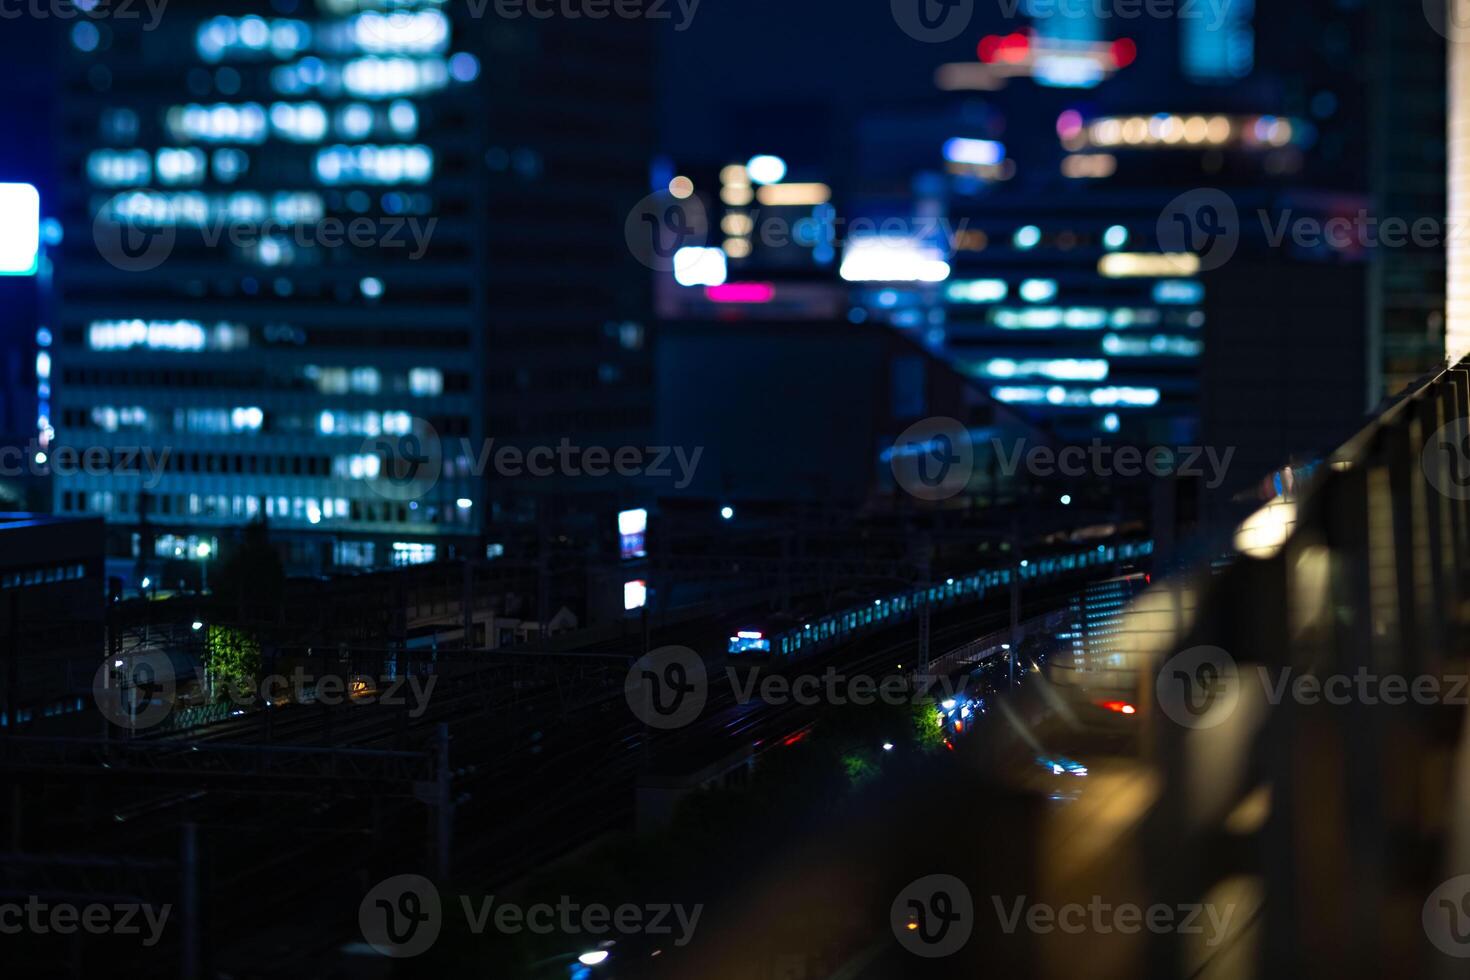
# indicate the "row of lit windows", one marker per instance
pixel 419 382
pixel 42 576
pixel 194 336
pixel 197 209
pixel 296 122
pixel 310 510
pixel 235 421
pixel 251 37
pixel 131 460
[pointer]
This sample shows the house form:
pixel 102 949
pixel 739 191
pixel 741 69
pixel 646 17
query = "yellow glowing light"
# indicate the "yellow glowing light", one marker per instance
pixel 1220 130
pixel 737 248
pixel 1081 166
pixel 1135 265
pixel 735 175
pixel 736 196
pixel 1263 533
pixel 794 195
pixel 737 224
pixel 681 187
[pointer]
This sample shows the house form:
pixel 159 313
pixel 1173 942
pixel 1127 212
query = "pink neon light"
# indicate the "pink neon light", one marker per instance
pixel 741 292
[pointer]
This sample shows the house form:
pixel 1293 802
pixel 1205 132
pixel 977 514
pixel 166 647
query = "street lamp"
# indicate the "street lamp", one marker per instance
pixel 203 550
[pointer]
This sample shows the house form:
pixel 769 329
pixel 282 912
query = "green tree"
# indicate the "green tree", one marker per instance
pixel 231 660
pixel 928 729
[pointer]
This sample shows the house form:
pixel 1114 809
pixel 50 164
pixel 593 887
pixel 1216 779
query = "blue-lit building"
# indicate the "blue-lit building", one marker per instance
pixel 52 590
pixel 270 276
pixel 1071 291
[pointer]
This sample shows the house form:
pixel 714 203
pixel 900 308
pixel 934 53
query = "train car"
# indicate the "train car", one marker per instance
pixel 745 642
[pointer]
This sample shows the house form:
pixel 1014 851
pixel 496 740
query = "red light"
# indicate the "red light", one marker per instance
pixel 989 47
pixel 959 726
pixel 793 739
pixel 1014 48
pixel 949 745
pixel 1121 707
pixel 1125 52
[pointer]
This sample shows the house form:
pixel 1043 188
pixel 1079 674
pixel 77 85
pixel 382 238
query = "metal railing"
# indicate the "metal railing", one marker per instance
pixel 1305 716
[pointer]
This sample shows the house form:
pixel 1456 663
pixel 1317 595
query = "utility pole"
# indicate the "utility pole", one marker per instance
pixel 442 809
pixel 189 943
pixel 924 617
pixel 466 602
pixel 1015 606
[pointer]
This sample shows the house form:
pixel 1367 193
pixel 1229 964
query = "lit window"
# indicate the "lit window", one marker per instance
pixel 425 382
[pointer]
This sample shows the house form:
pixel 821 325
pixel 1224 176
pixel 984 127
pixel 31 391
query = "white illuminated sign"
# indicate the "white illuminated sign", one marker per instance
pixel 20 229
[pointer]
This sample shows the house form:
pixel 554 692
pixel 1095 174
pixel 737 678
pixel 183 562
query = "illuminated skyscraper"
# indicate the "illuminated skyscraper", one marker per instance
pixel 271 275
pixel 316 244
pixel 1217 47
